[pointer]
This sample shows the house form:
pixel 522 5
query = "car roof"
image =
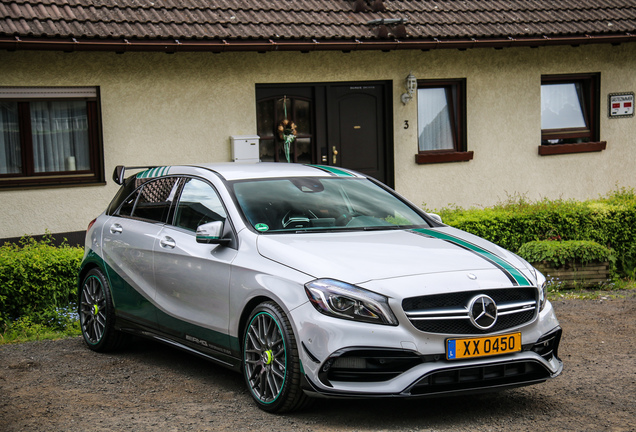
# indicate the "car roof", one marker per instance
pixel 245 171
pixel 242 171
pixel 232 171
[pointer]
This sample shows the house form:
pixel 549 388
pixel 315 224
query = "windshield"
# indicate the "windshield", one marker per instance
pixel 313 204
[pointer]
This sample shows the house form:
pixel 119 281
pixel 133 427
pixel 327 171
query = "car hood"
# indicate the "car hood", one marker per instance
pixel 359 257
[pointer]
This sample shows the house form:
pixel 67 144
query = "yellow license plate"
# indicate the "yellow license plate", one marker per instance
pixel 482 346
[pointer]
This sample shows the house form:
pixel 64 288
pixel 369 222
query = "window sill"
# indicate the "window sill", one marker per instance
pixel 8 186
pixel 556 149
pixel 430 158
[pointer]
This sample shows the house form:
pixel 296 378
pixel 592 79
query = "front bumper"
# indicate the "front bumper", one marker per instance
pixel 348 359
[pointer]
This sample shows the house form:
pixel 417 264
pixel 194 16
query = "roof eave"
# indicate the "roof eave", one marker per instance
pixel 13 43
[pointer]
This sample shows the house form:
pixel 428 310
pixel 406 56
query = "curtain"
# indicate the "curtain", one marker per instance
pixel 433 119
pixel 561 106
pixel 60 136
pixel 10 156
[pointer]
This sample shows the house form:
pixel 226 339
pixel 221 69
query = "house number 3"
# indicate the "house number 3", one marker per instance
pixel 406 124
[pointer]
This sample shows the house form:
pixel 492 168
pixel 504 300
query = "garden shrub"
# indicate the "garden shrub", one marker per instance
pixel 37 278
pixel 559 253
pixel 609 221
pixel 626 261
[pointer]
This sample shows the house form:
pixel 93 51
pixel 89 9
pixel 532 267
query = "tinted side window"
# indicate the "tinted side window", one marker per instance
pixel 198 205
pixel 152 201
pixel 123 193
pixel 128 204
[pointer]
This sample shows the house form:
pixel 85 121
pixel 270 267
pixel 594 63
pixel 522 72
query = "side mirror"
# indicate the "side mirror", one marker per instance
pixel 435 217
pixel 210 233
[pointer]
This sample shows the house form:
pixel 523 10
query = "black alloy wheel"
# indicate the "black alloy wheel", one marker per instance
pixel 271 365
pixel 97 314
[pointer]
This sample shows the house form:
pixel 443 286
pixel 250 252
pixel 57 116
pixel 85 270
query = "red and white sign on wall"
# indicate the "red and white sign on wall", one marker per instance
pixel 621 105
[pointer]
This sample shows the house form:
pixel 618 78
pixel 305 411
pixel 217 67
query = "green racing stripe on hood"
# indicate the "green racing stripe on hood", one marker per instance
pixel 511 271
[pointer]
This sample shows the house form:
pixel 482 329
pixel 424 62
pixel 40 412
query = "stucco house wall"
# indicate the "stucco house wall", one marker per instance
pixel 182 108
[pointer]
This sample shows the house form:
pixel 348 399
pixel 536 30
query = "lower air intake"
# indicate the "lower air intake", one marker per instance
pixel 504 374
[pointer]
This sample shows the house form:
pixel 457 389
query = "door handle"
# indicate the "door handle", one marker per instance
pixel 335 155
pixel 116 229
pixel 168 243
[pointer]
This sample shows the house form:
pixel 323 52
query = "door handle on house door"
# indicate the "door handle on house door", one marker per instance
pixel 335 155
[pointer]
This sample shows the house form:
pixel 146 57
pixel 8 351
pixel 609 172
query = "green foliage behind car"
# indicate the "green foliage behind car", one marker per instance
pixel 609 221
pixel 560 253
pixel 38 288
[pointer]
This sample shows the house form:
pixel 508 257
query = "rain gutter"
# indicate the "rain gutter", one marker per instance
pixel 13 43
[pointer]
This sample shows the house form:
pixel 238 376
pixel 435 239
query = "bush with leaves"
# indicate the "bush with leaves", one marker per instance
pixel 560 253
pixel 609 221
pixel 37 279
pixel 626 261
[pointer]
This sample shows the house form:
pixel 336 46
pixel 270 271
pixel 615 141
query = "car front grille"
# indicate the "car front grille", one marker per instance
pixel 448 313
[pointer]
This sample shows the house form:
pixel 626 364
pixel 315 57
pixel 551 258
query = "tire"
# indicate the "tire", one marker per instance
pixel 271 365
pixel 97 314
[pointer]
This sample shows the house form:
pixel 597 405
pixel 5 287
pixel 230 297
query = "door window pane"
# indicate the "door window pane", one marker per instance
pixel 267 150
pixel 152 201
pixel 303 150
pixel 302 117
pixel 60 136
pixel 272 129
pixel 265 118
pixel 561 106
pixel 435 129
pixel 10 156
pixel 199 204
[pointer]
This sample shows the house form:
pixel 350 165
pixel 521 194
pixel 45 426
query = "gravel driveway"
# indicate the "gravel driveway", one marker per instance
pixel 63 386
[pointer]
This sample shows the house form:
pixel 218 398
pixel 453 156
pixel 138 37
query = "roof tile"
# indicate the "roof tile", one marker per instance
pixel 309 19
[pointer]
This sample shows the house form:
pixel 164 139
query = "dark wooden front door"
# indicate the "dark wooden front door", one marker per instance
pixel 344 124
pixel 357 137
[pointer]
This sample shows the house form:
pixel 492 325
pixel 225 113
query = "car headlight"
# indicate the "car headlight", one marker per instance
pixel 343 300
pixel 542 283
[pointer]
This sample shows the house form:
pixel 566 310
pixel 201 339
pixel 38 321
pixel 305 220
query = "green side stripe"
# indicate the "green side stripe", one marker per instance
pixel 333 170
pixel 513 273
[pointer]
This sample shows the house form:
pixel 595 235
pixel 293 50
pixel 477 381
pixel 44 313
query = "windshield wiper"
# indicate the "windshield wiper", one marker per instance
pixel 383 227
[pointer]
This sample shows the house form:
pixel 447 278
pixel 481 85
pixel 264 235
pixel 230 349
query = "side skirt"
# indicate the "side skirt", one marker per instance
pixel 212 355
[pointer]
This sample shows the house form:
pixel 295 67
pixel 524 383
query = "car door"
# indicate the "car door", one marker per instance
pixel 192 279
pixel 128 241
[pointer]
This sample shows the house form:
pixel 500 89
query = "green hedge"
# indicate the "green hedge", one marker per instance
pixel 36 277
pixel 609 221
pixel 559 253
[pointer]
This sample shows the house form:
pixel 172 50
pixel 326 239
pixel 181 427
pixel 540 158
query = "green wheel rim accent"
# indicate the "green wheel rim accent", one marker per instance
pixel 92 310
pixel 265 358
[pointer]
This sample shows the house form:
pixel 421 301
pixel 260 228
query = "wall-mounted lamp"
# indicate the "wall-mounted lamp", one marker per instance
pixel 411 86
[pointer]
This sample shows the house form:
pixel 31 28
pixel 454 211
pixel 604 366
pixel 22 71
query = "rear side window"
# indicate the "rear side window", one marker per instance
pixel 152 201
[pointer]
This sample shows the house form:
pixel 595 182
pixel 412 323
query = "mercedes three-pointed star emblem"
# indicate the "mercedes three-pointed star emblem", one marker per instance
pixel 482 311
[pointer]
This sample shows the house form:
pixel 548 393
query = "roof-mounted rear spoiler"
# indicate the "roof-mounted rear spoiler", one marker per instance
pixel 119 175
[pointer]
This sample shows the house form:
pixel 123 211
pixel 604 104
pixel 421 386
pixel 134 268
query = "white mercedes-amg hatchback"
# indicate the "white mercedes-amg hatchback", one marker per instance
pixel 311 280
